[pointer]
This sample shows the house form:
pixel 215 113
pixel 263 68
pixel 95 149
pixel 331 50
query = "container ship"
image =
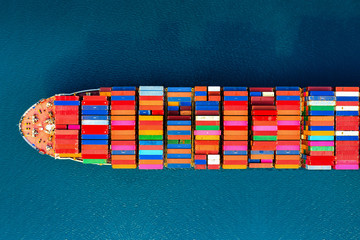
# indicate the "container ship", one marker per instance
pixel 201 127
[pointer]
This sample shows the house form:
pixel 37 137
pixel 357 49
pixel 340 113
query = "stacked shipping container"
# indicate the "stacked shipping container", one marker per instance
pixel 207 127
pixel 67 125
pixel 95 129
pixel 123 127
pixel 318 142
pixel 151 116
pixel 347 128
pixel 264 127
pixel 235 127
pixel 288 105
pixel 179 146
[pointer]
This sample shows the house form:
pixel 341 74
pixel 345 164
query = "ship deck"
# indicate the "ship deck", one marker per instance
pixel 37 126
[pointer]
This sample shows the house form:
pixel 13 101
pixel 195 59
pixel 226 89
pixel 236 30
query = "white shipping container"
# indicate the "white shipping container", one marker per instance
pixel 213 159
pixel 207 118
pixel 151 93
pixel 321 103
pixel 268 94
pixel 151 88
pixel 95 122
pixel 214 88
pixel 347 94
pixel 318 167
pixel 346 133
pixel 347 108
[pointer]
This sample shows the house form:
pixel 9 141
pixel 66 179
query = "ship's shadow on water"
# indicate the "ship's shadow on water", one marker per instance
pixel 321 52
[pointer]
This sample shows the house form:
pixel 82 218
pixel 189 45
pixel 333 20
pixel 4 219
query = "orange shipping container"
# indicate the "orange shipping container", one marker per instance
pixel 178 160
pixel 235 112
pixel 260 165
pixel 123 93
pixel 200 88
pixel 262 156
pixel 175 137
pixel 235 118
pixel 200 98
pixel 236 138
pixel 179 94
pixel 174 127
pixel 123 112
pixel 179 151
pixel 150 162
pixel 235 157
pixel 288 118
pixel 151 107
pixel 123 157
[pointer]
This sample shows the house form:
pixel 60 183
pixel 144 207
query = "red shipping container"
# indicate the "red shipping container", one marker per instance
pixel 213 166
pixel 347 89
pixel 316 88
pixel 89 103
pixel 200 157
pixel 263 107
pixel 346 103
pixel 66 98
pixel 207 142
pixel 123 103
pixel 66 137
pixel 95 156
pixel 122 162
pixel 207 113
pixel 95 98
pixel 200 167
pixel 261 89
pixel 157 112
pixel 95 129
pixel 212 123
pixel 264 133
pixel 229 128
pixel 285 127
pixel 66 151
pixel 122 107
pixel 66 113
pixel 105 89
pixel 235 107
pixel 61 126
pixel 151 98
pixel 264 118
pixel 264 112
pixel 184 118
pixel 123 142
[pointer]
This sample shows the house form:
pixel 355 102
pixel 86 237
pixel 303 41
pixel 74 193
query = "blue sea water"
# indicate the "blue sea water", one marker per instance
pixel 49 47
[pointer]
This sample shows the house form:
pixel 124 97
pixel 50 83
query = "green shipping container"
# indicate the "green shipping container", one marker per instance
pixel 150 137
pixel 321 148
pixel 207 127
pixel 264 138
pixel 321 108
pixel 94 161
